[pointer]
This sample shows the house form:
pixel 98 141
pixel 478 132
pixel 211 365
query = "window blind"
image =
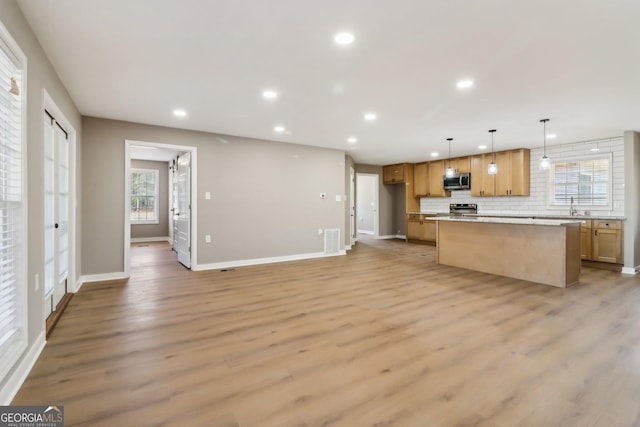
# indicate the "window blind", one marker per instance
pixel 144 195
pixel 13 339
pixel 586 181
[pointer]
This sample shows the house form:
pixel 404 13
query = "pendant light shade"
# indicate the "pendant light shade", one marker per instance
pixel 449 172
pixel 544 161
pixel 493 167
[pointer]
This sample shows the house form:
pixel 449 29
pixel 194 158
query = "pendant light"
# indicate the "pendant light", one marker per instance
pixel 493 167
pixel 544 161
pixel 450 172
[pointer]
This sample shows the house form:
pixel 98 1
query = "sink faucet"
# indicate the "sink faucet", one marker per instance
pixel 572 211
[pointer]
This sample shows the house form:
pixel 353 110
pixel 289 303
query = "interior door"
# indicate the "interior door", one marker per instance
pixel 183 214
pixel 56 213
pixel 352 207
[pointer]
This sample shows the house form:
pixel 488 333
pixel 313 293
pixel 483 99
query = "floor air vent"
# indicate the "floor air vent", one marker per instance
pixel 331 240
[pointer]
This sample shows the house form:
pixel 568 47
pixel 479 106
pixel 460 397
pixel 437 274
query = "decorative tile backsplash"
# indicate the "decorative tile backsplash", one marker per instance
pixel 536 203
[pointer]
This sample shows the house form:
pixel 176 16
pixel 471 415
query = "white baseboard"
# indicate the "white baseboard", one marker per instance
pixel 16 379
pixel 257 261
pixel 365 232
pixel 630 270
pixel 102 277
pixel 150 239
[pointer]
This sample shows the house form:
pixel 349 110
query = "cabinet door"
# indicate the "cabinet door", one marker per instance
pixel 393 174
pixel 414 229
pixel 520 172
pixel 585 240
pixel 429 230
pixel 421 180
pixel 477 175
pixel 503 177
pixel 463 164
pixel 607 245
pixel 488 181
pixel 436 179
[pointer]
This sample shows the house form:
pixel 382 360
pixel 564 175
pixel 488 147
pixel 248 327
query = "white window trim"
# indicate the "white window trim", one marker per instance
pixel 9 360
pixel 551 189
pixel 156 195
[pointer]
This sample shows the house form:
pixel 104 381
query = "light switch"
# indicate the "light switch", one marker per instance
pixel 207 195
pixel 207 238
pixel 338 198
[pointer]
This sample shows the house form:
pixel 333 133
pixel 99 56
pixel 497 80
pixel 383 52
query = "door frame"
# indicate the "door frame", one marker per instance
pixel 127 191
pixel 376 202
pixel 352 207
pixel 73 284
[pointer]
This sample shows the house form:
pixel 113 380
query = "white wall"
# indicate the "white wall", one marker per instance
pixel 366 199
pixel 536 203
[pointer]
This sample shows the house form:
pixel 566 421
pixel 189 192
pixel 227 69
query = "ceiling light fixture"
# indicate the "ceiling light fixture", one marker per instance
pixel 552 136
pixel 482 147
pixel 270 94
pixel 352 140
pixel 450 172
pixel 493 167
pixel 344 38
pixel 14 87
pixel 544 161
pixel 179 113
pixel 434 154
pixel 370 117
pixel 464 84
pixel 279 128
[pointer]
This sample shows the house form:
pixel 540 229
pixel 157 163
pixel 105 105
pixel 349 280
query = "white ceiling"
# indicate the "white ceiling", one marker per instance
pixel 576 62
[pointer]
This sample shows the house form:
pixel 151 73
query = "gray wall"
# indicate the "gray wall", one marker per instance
pixel 632 200
pixel 162 228
pixel 40 75
pixel 365 204
pixel 385 200
pixel 265 195
pixel 399 209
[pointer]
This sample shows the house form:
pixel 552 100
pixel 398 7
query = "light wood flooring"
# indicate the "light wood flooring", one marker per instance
pixel 380 337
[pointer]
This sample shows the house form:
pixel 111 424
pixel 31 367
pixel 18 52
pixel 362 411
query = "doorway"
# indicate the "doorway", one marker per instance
pixel 367 186
pixel 179 222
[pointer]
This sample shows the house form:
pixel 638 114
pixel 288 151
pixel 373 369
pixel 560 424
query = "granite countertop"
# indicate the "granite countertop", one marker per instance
pixel 521 221
pixel 533 216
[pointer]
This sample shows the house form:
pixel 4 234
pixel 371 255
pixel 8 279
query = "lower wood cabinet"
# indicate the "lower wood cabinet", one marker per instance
pixel 420 228
pixel 602 241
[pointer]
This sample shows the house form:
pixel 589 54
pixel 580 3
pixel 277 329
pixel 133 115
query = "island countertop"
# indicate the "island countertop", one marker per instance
pixel 509 220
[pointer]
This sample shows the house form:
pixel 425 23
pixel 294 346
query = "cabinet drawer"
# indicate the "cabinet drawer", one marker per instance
pixel 413 217
pixel 616 225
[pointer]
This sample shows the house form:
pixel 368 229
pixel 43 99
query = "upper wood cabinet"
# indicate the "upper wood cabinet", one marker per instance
pixel 512 178
pixel 459 164
pixel 482 184
pixel 436 179
pixel 421 179
pixel 395 174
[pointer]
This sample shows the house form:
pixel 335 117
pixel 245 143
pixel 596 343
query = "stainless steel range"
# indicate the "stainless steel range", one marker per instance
pixel 463 208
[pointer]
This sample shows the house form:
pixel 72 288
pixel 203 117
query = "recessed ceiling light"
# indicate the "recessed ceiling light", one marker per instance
pixel 594 149
pixel 482 147
pixel 270 94
pixel 464 84
pixel 279 128
pixel 551 135
pixel 344 38
pixel 179 113
pixel 352 140
pixel 370 117
pixel 434 154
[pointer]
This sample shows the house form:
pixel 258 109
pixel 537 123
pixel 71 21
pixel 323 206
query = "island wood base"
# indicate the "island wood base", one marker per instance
pixel 538 253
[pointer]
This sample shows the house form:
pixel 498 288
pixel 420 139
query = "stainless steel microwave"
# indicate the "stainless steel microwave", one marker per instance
pixel 459 181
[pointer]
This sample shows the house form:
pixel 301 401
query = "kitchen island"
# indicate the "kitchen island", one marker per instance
pixel 538 250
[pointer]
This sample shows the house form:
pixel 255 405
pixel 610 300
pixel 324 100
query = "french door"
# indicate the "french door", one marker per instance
pixel 183 210
pixel 56 213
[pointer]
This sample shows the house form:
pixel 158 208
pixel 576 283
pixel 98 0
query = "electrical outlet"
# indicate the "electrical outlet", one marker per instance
pixel 207 238
pixel 319 231
pixel 207 195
